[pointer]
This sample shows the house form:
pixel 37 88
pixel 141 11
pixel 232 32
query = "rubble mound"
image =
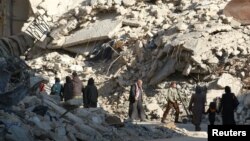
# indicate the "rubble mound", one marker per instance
pixel 118 41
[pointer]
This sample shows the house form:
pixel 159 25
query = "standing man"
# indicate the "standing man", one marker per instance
pixel 229 103
pixel 135 102
pixel 90 96
pixel 197 106
pixel 77 85
pixel 172 97
pixel 68 89
pixel 77 91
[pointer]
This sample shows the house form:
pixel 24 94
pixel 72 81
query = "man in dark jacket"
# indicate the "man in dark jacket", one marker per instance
pixel 229 103
pixel 90 96
pixel 135 102
pixel 197 106
pixel 68 89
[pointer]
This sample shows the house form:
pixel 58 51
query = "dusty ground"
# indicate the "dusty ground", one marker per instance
pixel 187 129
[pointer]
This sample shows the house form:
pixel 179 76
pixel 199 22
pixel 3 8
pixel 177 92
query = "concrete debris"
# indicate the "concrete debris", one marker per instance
pixel 90 124
pixel 118 41
pixel 167 69
pixel 152 41
pixel 84 49
pixel 114 121
pixel 102 30
pixel 128 2
pixel 228 80
pixel 133 23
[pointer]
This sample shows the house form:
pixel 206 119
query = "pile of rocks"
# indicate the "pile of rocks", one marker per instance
pixel 40 117
pixel 188 41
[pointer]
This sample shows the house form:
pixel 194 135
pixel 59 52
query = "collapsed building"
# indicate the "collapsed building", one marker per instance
pixel 118 41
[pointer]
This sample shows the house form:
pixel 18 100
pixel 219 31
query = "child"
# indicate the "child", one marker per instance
pixel 211 112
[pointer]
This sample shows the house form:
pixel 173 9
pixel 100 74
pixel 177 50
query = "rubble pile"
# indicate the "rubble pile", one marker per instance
pixel 149 40
pixel 119 41
pixel 40 117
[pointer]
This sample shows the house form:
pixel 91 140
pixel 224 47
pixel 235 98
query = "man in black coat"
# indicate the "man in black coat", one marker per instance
pixel 135 102
pixel 229 103
pixel 90 95
pixel 68 89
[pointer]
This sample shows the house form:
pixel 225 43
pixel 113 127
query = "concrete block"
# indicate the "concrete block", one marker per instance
pixel 168 69
pixel 85 48
pixel 101 30
pixel 228 80
pixel 133 23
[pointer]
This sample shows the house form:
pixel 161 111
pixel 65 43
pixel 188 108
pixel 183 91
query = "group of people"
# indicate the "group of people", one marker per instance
pixel 226 105
pixel 73 88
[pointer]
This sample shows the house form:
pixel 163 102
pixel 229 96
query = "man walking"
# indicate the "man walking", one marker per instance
pixel 172 97
pixel 197 106
pixel 135 102
pixel 229 103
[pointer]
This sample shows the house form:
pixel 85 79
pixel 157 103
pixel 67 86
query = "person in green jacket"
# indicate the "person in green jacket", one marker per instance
pixel 172 97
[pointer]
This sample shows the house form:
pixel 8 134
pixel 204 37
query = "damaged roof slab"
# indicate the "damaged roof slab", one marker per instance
pixel 101 30
pixel 84 48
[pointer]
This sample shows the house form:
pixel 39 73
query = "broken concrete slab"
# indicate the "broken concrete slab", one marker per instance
pixel 61 111
pixel 128 2
pixel 55 8
pixel 213 93
pixel 218 28
pixel 18 132
pixel 100 30
pixel 192 41
pixel 168 69
pixel 133 23
pixel 16 129
pixel 85 48
pixel 31 101
pixel 46 126
pixel 114 121
pixel 231 81
pixel 182 26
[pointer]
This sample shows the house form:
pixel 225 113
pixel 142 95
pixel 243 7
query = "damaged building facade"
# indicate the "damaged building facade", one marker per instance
pixel 116 42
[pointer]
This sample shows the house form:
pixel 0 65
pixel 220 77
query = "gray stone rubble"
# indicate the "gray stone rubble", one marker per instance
pixel 191 42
